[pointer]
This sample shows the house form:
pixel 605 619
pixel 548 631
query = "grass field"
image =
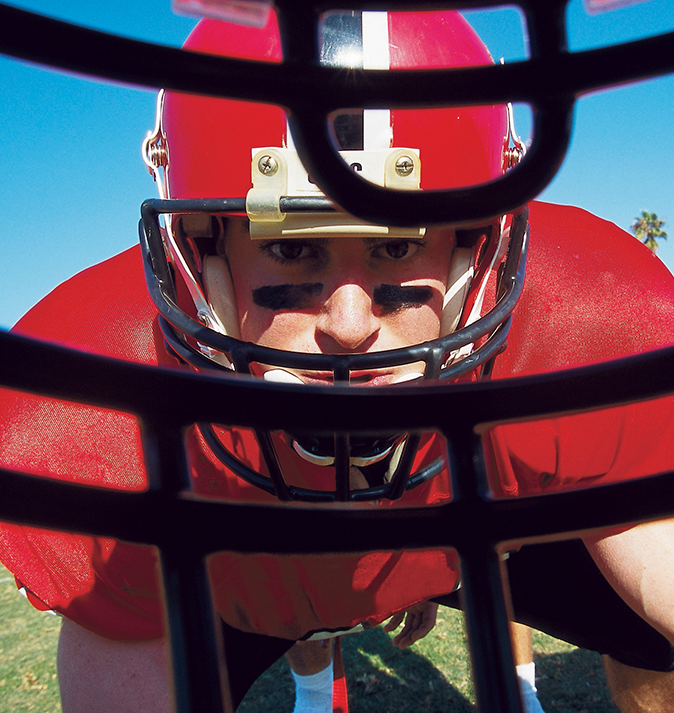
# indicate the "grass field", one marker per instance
pixel 433 676
pixel 27 654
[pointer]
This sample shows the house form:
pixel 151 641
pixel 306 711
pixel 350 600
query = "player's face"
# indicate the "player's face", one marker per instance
pixel 340 295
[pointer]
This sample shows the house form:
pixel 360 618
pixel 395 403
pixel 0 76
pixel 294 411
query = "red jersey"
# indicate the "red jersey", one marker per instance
pixel 592 293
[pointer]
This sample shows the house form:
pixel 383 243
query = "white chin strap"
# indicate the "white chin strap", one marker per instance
pixel 357 462
pixel 461 274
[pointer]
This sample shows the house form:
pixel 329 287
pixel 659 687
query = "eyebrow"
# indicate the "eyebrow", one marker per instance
pixel 395 296
pixel 287 297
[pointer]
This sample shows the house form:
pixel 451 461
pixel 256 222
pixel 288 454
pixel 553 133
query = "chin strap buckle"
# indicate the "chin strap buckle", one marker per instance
pixel 154 148
pixel 514 149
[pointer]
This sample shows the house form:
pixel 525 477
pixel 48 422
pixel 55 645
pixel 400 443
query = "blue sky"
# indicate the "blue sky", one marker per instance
pixel 74 179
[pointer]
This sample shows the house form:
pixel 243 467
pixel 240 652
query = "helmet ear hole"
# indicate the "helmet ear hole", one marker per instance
pixel 220 294
pixel 197 234
pixel 198 225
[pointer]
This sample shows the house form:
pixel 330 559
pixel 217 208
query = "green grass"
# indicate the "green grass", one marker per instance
pixel 433 676
pixel 28 641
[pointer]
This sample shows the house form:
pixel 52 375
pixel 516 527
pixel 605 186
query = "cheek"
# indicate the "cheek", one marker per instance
pixel 420 323
pixel 291 331
pixel 415 325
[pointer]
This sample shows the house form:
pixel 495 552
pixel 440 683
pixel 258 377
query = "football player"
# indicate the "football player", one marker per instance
pixel 254 273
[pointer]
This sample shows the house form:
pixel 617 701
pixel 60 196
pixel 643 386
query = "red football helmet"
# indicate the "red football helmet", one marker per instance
pixel 214 157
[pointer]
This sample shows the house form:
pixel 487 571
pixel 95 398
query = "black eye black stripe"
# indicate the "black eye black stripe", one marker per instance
pixel 302 296
pixel 394 296
pixel 287 297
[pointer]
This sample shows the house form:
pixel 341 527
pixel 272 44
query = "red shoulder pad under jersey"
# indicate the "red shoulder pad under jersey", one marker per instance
pixel 592 293
pixel 105 310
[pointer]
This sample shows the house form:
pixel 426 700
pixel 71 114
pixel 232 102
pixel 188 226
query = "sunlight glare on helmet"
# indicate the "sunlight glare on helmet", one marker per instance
pixel 348 57
pixel 243 12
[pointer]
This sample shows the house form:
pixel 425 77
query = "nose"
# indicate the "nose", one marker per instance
pixel 347 320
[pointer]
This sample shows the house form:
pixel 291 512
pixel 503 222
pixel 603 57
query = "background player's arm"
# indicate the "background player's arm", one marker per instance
pixel 639 565
pixel 419 620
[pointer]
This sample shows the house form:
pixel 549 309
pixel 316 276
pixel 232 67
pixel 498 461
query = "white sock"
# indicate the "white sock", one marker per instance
pixel 313 694
pixel 526 677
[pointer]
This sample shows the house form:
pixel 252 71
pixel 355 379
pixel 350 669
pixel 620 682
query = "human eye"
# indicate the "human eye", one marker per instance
pixel 397 249
pixel 288 251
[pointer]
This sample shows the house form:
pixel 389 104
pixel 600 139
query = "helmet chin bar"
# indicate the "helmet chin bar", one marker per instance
pixel 196 344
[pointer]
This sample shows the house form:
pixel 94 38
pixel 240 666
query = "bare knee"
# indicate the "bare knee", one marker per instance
pixel 635 690
pixel 98 675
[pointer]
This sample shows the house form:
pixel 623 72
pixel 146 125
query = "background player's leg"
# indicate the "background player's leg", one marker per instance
pixel 558 588
pixel 311 665
pixel 524 665
pixel 635 690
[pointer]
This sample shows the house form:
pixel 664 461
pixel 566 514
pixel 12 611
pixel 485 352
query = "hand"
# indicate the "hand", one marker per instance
pixel 419 620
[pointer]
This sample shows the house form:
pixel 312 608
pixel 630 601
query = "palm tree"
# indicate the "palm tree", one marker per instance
pixel 648 229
